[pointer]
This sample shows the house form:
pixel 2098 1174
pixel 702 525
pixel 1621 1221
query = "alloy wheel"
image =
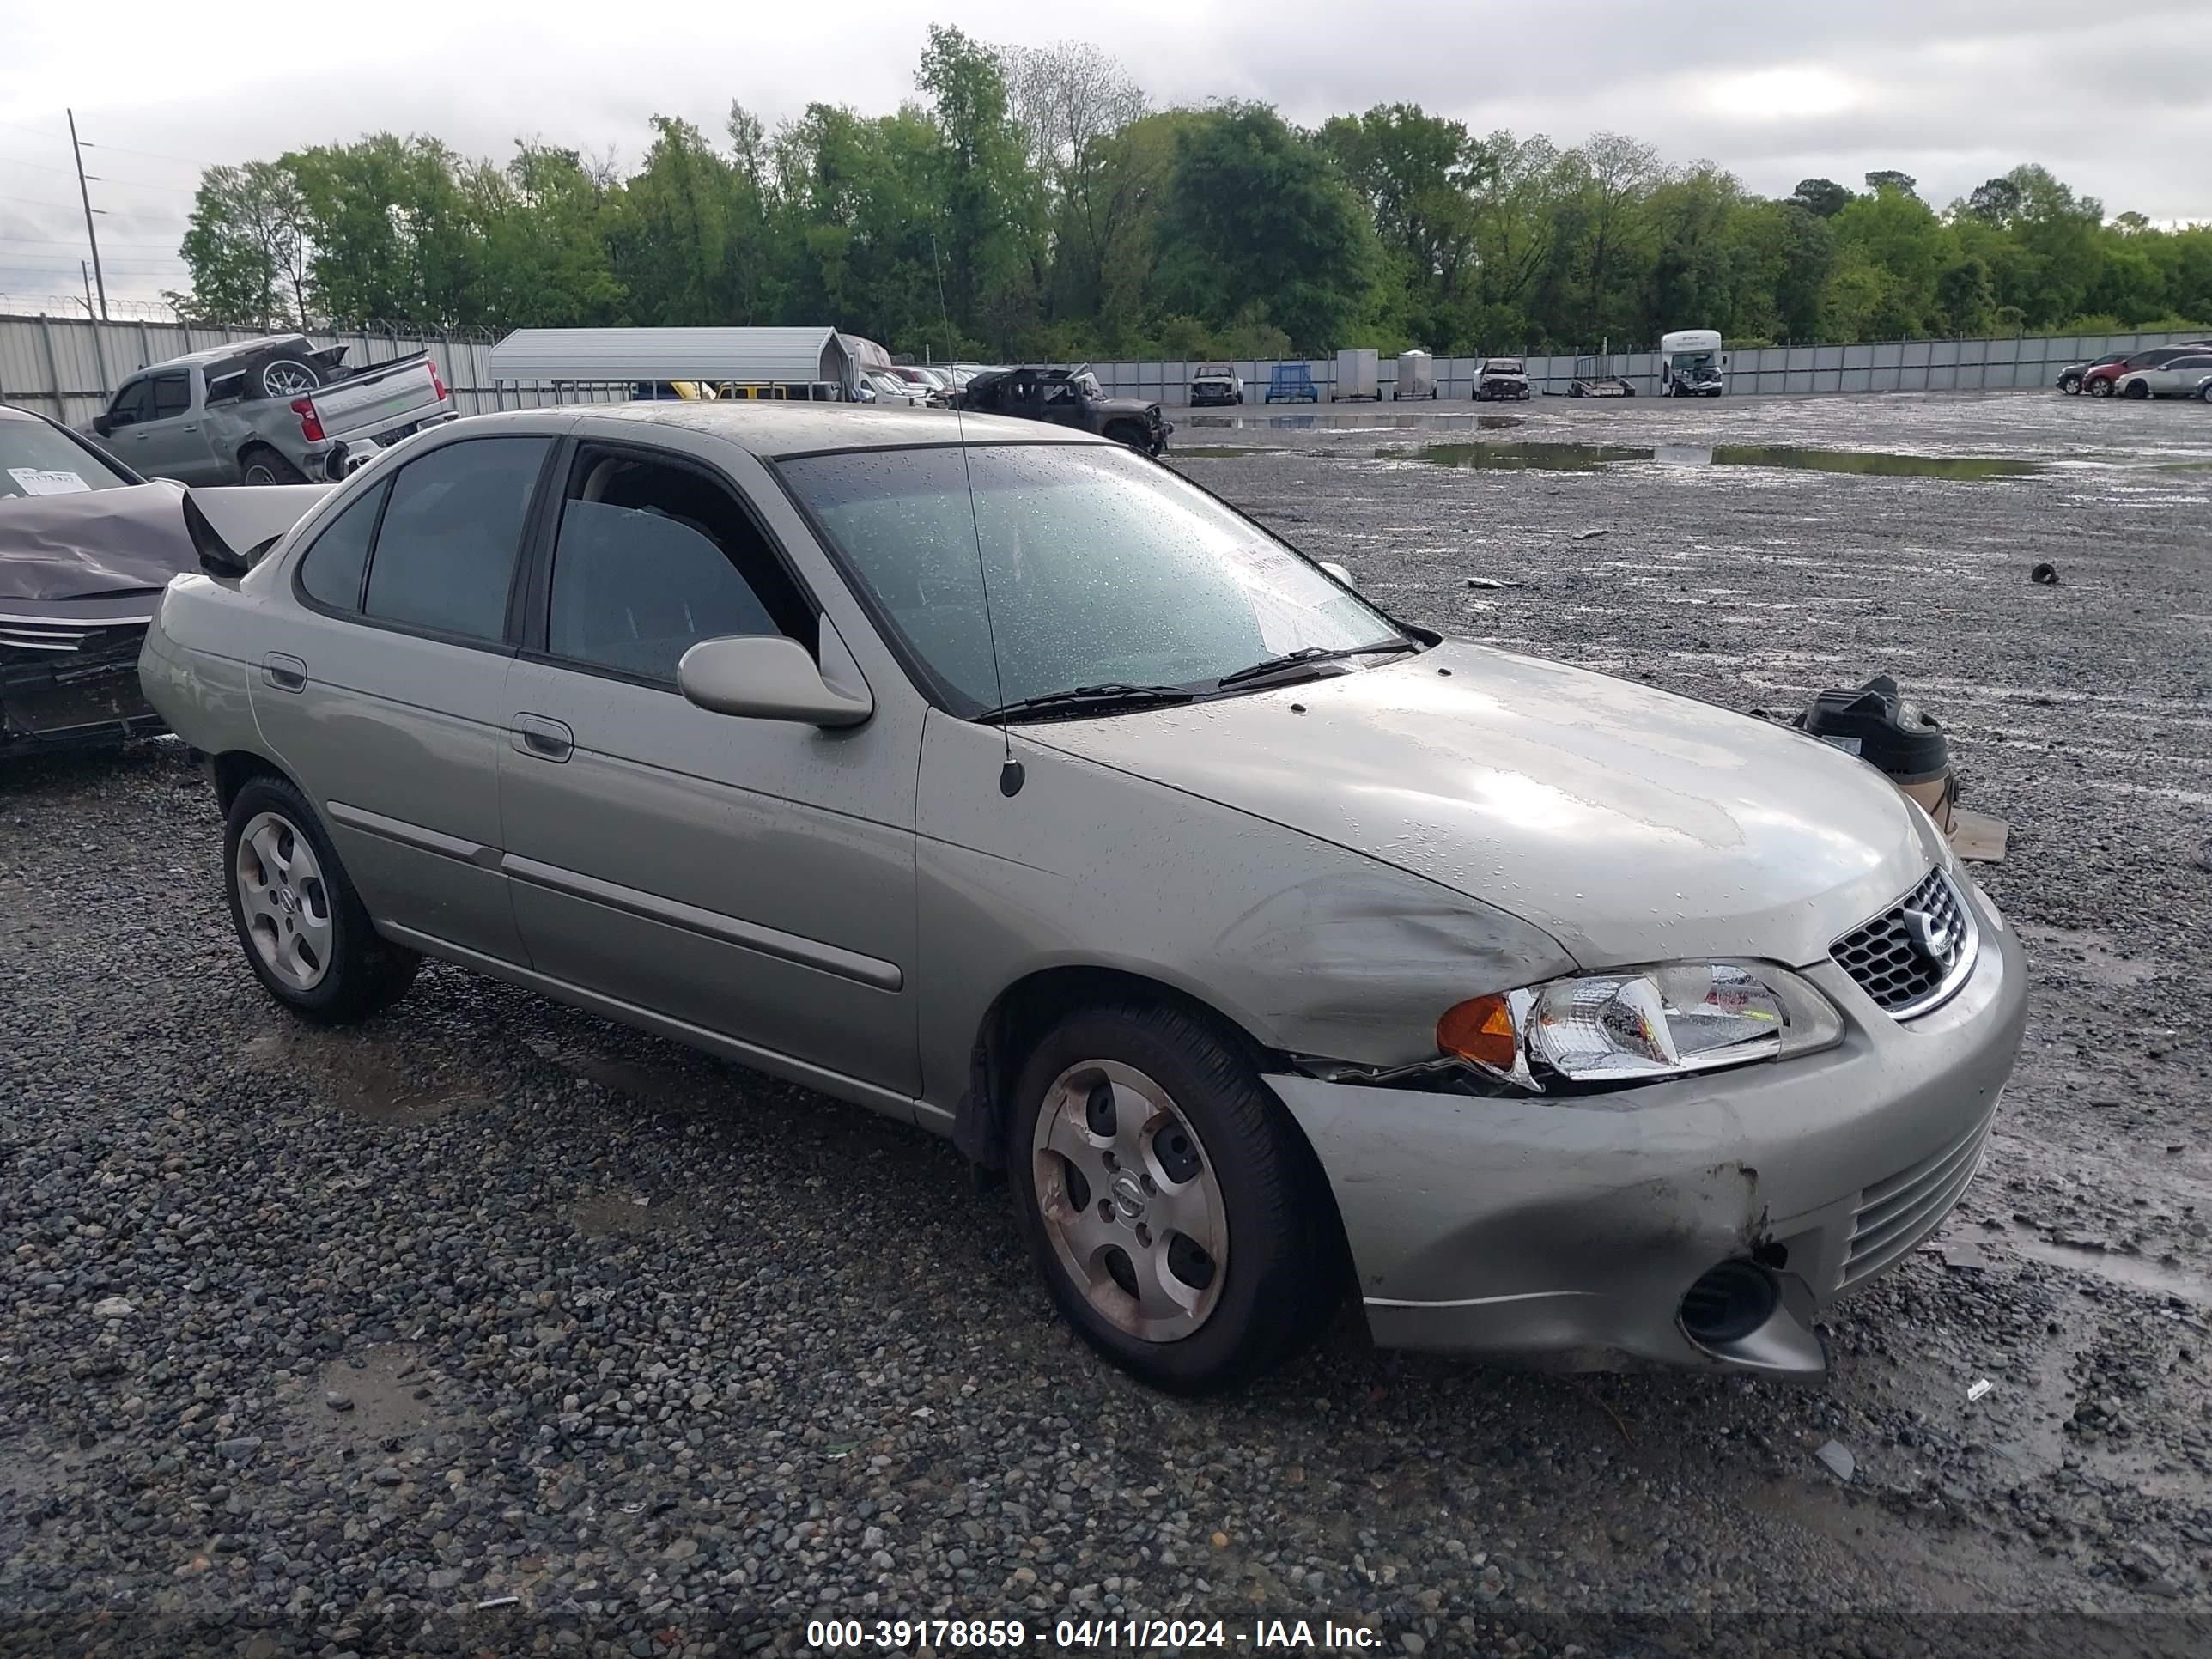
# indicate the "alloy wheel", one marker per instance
pixel 285 901
pixel 1130 1200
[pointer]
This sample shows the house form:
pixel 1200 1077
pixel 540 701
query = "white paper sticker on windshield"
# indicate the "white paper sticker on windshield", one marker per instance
pixel 37 480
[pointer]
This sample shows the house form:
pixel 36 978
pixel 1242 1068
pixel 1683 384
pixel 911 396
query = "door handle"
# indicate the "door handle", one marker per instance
pixel 542 739
pixel 285 674
pixel 194 427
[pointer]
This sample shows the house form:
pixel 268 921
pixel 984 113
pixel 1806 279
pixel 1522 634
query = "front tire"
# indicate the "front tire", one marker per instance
pixel 2138 390
pixel 2100 388
pixel 1179 1220
pixel 298 919
pixel 2070 384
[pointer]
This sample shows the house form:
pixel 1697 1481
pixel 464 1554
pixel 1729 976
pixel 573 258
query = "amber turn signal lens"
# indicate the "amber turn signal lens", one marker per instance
pixel 1480 1030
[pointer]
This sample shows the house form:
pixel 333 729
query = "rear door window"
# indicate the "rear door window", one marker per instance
pixel 172 396
pixel 445 555
pixel 332 569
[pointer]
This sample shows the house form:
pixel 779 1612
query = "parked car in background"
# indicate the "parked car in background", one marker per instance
pixel 2103 379
pixel 891 388
pixel 1216 383
pixel 1203 901
pixel 2177 377
pixel 2069 378
pixel 274 411
pixel 86 547
pixel 1069 398
pixel 1502 380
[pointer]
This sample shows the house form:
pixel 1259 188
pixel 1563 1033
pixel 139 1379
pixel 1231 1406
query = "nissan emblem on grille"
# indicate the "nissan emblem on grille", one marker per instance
pixel 1915 955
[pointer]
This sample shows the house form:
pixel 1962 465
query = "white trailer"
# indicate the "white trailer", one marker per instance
pixel 1358 376
pixel 1416 376
pixel 1690 364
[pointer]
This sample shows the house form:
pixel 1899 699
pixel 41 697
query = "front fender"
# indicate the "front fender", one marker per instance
pixel 1307 947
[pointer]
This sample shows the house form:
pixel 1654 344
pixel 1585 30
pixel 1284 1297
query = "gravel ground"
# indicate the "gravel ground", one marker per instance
pixel 317 1343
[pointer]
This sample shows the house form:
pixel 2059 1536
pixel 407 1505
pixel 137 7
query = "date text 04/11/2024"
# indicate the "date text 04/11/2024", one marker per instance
pixel 1087 1635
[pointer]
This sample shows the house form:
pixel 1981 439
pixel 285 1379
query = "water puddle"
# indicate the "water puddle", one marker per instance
pixel 1347 421
pixel 1590 458
pixel 2121 1269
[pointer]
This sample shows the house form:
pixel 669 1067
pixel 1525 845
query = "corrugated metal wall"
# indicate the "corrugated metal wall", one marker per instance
pixel 69 366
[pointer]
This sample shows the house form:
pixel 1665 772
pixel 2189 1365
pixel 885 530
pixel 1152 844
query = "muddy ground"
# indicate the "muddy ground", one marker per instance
pixel 319 1342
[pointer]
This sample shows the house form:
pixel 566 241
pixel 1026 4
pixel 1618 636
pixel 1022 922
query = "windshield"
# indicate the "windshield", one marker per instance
pixel 1105 569
pixel 37 460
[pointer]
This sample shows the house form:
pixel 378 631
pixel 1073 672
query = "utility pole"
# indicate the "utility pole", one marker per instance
pixel 85 195
pixel 85 272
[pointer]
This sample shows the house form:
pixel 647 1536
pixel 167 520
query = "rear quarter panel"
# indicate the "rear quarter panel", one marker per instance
pixel 194 668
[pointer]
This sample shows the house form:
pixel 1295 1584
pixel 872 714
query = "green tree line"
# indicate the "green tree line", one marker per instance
pixel 1031 203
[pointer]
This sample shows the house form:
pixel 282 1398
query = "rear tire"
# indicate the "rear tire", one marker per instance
pixel 260 464
pixel 2070 384
pixel 2137 390
pixel 1219 1254
pixel 298 919
pixel 2100 388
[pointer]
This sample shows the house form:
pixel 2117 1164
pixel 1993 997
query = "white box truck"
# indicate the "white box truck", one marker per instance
pixel 1690 363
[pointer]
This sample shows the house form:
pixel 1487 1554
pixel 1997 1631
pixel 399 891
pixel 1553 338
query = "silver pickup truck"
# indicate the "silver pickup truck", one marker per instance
pixel 279 409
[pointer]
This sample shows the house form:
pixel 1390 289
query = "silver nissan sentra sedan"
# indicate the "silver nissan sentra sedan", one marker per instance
pixel 997 778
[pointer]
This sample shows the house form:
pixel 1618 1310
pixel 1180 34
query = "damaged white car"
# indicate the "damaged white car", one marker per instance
pixel 1000 779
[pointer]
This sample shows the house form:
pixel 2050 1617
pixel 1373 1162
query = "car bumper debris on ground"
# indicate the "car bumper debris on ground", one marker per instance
pixel 490 1324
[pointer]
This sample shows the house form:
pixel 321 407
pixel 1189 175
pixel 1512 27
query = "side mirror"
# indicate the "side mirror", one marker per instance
pixel 766 677
pixel 102 425
pixel 1338 571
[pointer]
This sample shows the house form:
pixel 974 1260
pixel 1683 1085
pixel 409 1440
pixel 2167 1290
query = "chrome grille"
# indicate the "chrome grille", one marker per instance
pixel 35 650
pixel 1896 1214
pixel 1915 954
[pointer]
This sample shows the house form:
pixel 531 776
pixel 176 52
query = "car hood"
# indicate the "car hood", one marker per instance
pixel 1123 406
pixel 129 538
pixel 1631 824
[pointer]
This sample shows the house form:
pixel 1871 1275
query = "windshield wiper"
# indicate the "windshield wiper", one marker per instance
pixel 1305 656
pixel 1090 699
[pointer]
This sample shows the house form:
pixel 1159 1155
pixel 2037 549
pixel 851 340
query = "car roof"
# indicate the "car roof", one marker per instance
pixel 769 428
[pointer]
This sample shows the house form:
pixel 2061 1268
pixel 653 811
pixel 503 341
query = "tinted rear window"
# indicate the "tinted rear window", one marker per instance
pixel 330 570
pixel 445 556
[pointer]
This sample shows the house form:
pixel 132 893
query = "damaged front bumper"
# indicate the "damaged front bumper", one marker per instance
pixel 1590 1233
pixel 69 674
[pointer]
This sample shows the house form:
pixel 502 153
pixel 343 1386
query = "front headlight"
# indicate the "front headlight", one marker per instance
pixel 1640 1025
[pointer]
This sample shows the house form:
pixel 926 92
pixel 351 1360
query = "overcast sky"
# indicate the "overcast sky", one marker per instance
pixel 2115 97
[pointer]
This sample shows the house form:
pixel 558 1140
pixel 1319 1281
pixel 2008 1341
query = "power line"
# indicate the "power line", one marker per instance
pixel 100 177
pixel 70 241
pixel 158 155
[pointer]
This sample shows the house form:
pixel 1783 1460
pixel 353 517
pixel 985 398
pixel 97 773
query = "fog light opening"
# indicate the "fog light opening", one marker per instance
pixel 1728 1303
